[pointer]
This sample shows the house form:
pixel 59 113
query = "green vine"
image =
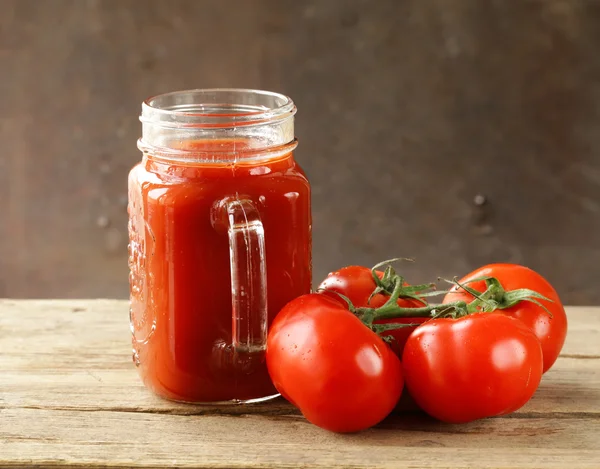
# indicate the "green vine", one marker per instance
pixel 495 297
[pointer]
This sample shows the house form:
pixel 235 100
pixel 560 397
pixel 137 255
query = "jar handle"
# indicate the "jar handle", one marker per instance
pixel 248 275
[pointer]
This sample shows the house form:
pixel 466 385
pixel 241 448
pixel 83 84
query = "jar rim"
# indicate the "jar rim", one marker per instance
pixel 216 108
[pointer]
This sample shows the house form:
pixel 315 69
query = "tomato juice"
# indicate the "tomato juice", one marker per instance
pixel 180 275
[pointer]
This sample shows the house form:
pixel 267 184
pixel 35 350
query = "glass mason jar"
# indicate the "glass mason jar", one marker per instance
pixel 220 240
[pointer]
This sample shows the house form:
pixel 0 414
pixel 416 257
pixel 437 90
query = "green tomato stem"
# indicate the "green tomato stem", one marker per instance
pixel 493 298
pixel 391 310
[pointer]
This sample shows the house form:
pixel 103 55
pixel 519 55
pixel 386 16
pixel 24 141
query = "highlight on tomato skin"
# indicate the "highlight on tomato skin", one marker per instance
pixel 341 375
pixel 550 329
pixel 480 365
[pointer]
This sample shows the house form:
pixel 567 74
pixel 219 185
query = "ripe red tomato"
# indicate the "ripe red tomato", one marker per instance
pixel 481 365
pixel 325 361
pixel 551 331
pixel 356 283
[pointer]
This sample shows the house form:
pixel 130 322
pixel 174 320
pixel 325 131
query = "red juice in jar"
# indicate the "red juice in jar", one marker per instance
pixel 220 240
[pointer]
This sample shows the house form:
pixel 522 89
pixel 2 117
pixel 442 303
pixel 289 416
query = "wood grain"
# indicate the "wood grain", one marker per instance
pixel 69 395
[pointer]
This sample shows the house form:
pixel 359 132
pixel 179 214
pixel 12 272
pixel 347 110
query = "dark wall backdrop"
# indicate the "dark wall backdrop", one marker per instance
pixel 458 132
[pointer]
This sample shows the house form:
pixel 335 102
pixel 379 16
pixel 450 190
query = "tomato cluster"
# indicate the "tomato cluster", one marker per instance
pixel 343 355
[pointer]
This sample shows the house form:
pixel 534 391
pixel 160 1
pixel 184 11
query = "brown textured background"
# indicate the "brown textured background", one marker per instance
pixel 408 110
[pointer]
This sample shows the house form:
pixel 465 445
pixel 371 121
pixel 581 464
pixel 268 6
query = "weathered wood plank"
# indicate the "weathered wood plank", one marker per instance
pixel 69 395
pixel 77 358
pixel 74 330
pixel 150 440
pixel 561 392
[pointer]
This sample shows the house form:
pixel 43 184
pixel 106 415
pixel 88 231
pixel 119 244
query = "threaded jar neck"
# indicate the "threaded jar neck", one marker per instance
pixel 217 125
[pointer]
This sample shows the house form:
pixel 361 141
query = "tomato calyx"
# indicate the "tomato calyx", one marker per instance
pixel 391 310
pixel 496 297
pixel 387 282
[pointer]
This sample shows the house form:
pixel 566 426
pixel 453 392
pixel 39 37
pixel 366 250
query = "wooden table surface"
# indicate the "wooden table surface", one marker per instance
pixel 70 396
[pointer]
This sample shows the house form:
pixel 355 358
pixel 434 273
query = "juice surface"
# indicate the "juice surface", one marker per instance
pixel 181 312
